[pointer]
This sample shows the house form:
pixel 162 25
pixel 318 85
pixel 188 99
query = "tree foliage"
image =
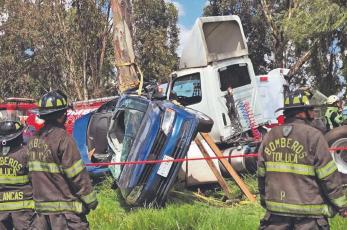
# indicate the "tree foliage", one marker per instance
pixel 155 37
pixel 321 26
pixel 312 19
pixel 51 44
pixel 68 45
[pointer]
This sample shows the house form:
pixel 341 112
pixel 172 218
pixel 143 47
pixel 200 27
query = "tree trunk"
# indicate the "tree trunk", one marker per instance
pixel 301 61
pixel 72 71
pixel 85 88
pixel 124 53
pixel 279 41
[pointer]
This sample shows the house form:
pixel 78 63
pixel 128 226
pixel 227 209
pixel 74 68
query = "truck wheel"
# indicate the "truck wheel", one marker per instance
pixel 337 138
pixel 205 122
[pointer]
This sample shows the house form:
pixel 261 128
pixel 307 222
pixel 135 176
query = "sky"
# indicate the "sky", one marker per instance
pixel 188 12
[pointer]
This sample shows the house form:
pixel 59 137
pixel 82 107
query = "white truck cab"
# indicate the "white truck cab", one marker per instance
pixel 214 59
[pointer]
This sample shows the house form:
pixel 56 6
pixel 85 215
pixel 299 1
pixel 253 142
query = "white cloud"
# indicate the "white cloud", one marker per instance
pixel 184 35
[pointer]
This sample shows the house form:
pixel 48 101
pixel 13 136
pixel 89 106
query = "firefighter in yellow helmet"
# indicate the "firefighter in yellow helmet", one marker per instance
pixel 299 184
pixel 333 115
pixel 16 204
pixel 62 189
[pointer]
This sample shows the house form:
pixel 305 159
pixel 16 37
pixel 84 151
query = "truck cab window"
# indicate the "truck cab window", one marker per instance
pixel 187 89
pixel 234 76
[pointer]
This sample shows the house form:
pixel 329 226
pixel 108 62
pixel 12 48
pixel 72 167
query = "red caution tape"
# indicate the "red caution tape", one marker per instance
pixel 173 160
pixel 338 149
pixel 185 159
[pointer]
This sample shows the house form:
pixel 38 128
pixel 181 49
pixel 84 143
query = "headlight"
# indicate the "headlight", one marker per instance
pixel 168 120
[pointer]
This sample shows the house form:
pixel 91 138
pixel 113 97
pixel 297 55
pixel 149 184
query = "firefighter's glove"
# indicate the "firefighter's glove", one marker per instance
pixel 93 205
pixel 88 207
pixel 262 202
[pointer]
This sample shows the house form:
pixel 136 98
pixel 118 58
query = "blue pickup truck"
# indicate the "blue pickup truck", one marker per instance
pixel 135 128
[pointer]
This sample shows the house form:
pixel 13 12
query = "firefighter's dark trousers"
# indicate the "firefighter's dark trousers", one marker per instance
pixel 60 221
pixel 277 222
pixel 18 220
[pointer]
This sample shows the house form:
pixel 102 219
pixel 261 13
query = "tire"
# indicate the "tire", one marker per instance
pixel 205 122
pixel 337 137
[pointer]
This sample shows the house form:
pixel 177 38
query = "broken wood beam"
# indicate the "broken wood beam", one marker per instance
pixel 214 169
pixel 228 167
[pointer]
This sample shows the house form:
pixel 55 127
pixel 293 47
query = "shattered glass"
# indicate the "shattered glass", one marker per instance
pixel 122 134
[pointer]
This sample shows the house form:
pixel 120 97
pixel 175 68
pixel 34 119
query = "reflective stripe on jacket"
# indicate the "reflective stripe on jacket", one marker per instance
pixel 60 180
pixel 59 206
pixel 333 117
pixel 296 173
pixel 15 189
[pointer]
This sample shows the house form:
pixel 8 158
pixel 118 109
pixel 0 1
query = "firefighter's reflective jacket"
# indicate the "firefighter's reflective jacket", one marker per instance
pixel 15 189
pixel 333 117
pixel 59 178
pixel 297 175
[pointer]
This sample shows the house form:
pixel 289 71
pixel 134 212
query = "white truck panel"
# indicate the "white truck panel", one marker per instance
pixel 198 172
pixel 214 39
pixel 271 92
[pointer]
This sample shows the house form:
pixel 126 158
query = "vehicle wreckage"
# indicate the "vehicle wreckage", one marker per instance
pixel 135 128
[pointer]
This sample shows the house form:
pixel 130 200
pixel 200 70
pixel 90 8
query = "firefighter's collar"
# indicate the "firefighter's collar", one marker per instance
pixel 295 120
pixel 287 129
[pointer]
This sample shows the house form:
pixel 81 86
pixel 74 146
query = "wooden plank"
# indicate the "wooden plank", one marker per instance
pixel 228 167
pixel 214 169
pixel 91 153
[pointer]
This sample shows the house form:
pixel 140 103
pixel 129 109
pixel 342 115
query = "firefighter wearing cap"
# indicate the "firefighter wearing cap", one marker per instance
pixel 62 189
pixel 299 184
pixel 16 204
pixel 333 116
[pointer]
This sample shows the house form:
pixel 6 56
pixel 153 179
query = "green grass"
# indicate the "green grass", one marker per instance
pixel 183 211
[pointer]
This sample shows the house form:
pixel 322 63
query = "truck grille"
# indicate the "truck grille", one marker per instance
pixel 178 153
pixel 158 146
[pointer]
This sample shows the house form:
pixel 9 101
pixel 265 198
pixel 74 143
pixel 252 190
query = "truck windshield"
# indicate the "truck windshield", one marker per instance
pixel 234 76
pixel 187 89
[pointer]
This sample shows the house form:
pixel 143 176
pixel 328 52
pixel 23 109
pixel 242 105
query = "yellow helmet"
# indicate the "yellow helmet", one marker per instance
pixel 297 100
pixel 52 102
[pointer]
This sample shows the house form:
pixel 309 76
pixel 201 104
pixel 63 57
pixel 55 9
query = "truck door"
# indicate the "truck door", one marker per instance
pixel 236 77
